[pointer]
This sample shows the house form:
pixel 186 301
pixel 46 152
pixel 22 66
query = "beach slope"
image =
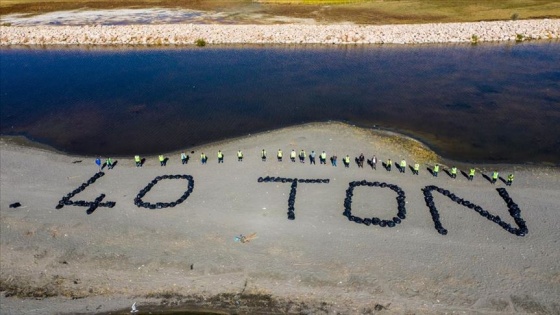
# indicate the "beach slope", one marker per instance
pixel 66 261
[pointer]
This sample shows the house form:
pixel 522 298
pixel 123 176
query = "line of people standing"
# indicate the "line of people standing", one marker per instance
pixel 302 156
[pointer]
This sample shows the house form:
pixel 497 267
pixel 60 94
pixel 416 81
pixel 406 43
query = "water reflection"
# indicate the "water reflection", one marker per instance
pixel 486 102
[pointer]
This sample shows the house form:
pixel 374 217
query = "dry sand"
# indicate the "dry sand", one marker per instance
pixel 320 263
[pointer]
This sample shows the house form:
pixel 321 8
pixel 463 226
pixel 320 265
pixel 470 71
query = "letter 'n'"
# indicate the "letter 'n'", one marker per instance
pixel 513 209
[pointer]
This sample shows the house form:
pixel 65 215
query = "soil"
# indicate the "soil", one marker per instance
pixel 65 261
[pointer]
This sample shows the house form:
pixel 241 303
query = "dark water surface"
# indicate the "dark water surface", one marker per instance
pixel 471 103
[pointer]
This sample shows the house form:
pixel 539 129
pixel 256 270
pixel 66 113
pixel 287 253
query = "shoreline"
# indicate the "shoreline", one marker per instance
pixel 63 260
pixel 342 34
pixel 402 138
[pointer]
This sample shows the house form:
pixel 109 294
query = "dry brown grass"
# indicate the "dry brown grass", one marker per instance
pixel 358 11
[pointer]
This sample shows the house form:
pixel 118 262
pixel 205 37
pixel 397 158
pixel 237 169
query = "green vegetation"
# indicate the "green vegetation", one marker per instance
pixel 519 37
pixel 325 11
pixel 308 2
pixel 474 39
pixel 200 42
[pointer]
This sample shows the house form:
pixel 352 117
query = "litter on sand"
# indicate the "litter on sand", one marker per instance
pixel 245 238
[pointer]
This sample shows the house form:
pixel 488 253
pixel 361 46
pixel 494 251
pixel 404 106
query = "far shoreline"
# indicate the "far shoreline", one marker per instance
pixel 336 34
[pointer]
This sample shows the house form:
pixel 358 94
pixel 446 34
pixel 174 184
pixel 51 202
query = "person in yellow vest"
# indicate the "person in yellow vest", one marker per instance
pixel 388 165
pixel 454 172
pixel 302 156
pixel 509 180
pixel 138 161
pixel 239 156
pixel 416 168
pixel 293 155
pixel 323 158
pixel 184 158
pixel 161 160
pixel 435 171
pixel 203 158
pixel 471 173
pixel 279 155
pixel 263 155
pixel 220 157
pixel 402 168
pixel 347 161
pixel 109 163
pixel 495 176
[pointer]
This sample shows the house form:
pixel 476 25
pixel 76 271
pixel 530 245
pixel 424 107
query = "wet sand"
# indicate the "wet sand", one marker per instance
pixel 65 261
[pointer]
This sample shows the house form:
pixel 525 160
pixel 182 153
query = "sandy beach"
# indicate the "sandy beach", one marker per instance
pixel 61 261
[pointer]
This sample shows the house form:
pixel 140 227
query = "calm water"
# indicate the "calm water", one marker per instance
pixel 484 103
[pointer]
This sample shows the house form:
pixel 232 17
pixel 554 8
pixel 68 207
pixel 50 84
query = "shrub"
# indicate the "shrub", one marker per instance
pixel 200 42
pixel 474 39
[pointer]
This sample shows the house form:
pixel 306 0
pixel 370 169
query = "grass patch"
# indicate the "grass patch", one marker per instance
pixel 308 2
pixel 474 39
pixel 326 11
pixel 200 42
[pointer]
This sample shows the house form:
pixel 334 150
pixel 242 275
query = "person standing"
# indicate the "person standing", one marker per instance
pixel 312 157
pixel 416 168
pixel 302 156
pixel 333 160
pixel 203 158
pixel 109 163
pixel 220 157
pixel 509 180
pixel 293 155
pixel 183 158
pixel 374 162
pixel 138 161
pixel 495 176
pixel 471 174
pixel 161 160
pixel 436 170
pixel 361 160
pixel 263 155
pixel 98 162
pixel 347 161
pixel 323 158
pixel 389 164
pixel 279 155
pixel 454 172
pixel 239 156
pixel 402 166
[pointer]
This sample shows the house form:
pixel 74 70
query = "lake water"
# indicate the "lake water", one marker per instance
pixel 492 102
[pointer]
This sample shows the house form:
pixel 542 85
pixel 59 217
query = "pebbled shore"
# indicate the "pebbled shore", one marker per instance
pixel 186 34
